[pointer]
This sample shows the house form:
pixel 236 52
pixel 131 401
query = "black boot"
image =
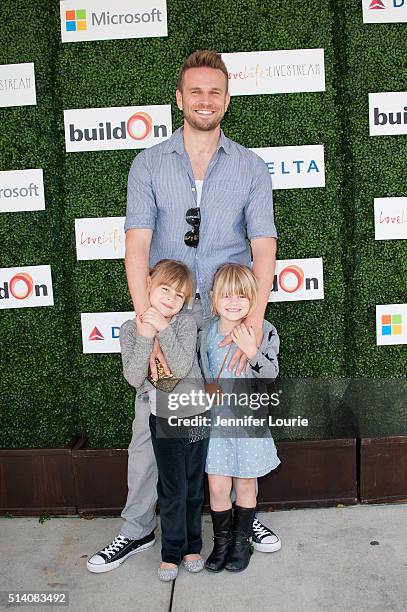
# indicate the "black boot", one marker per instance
pixel 222 539
pixel 241 549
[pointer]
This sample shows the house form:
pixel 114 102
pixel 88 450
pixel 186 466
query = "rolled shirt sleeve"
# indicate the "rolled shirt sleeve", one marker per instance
pixel 259 212
pixel 141 210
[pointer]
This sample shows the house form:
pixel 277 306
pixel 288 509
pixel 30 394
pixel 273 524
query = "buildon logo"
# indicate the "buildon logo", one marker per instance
pixel 298 279
pixel 25 288
pixel 116 128
pixel 75 20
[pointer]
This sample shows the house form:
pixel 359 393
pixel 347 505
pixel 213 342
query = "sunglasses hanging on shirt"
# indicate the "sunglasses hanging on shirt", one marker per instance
pixel 193 217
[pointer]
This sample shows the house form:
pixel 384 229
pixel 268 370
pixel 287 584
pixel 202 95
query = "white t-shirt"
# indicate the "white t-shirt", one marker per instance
pixel 198 185
pixel 152 398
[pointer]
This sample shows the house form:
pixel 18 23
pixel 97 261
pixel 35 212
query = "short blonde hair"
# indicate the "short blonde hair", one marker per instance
pixel 234 279
pixel 203 59
pixel 175 274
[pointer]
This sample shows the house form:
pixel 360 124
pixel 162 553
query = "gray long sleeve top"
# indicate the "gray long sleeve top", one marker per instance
pixel 178 343
pixel 264 365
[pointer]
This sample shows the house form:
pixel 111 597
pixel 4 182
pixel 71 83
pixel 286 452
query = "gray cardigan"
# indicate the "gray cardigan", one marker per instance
pixel 178 344
pixel 264 364
pixel 263 369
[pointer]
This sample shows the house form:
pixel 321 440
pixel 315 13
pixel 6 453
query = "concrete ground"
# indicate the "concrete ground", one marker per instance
pixel 334 559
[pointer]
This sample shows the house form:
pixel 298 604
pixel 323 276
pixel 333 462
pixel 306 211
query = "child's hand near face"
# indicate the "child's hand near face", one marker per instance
pixel 155 318
pixel 245 338
pixel 145 329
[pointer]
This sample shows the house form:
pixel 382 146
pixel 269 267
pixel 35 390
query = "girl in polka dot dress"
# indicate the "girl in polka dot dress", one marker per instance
pixel 235 461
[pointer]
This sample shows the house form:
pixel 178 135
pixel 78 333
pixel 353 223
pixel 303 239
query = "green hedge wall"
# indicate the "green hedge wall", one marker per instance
pixel 50 390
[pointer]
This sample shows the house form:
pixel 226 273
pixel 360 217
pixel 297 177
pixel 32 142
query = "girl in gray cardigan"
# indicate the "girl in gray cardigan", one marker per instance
pixel 180 458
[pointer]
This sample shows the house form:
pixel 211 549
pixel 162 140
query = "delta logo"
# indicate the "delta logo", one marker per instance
pixel 116 128
pixel 101 331
pixel 384 11
pixel 26 288
pixel 75 20
pixel 376 5
pixel 95 334
pixel 379 5
pixel 391 324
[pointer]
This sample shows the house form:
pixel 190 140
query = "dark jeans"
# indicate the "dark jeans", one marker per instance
pixel 180 488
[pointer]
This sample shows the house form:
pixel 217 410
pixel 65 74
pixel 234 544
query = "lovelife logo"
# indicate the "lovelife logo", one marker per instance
pixel 96 129
pixel 75 21
pixel 298 279
pixel 18 289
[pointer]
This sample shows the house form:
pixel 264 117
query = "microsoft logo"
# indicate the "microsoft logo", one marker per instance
pixel 391 324
pixel 75 20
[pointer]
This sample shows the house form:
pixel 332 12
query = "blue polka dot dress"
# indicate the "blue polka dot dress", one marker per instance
pixel 237 457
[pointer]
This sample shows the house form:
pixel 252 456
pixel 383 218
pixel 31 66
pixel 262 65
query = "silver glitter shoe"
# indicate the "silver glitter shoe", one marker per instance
pixel 194 566
pixel 167 575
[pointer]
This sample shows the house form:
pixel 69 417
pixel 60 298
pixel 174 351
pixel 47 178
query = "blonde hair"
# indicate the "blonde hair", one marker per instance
pixel 234 279
pixel 203 59
pixel 173 273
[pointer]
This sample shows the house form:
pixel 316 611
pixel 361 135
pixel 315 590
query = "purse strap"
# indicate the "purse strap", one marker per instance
pixel 224 361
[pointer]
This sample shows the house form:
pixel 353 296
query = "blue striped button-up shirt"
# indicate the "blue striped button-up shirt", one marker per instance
pixel 236 204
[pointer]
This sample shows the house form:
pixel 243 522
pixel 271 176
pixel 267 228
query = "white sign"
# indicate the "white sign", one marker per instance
pixel 388 113
pixel 101 330
pixel 267 72
pixel 391 324
pixel 21 190
pixel 100 238
pixel 107 20
pixel 26 287
pixel 119 127
pixel 298 279
pixel 390 218
pixel 17 85
pixel 384 11
pixel 294 167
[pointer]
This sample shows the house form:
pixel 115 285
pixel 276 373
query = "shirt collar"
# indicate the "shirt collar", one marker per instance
pixel 176 143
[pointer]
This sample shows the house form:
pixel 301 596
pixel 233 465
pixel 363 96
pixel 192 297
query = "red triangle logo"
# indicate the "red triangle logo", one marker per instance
pixel 377 4
pixel 95 334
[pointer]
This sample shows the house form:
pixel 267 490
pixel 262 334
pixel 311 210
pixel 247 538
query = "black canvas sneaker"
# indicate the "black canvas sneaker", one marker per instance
pixel 117 552
pixel 264 540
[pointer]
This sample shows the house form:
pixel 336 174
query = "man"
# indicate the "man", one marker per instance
pixel 194 198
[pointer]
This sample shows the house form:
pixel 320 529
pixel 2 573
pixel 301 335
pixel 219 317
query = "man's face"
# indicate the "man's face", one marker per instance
pixel 203 98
